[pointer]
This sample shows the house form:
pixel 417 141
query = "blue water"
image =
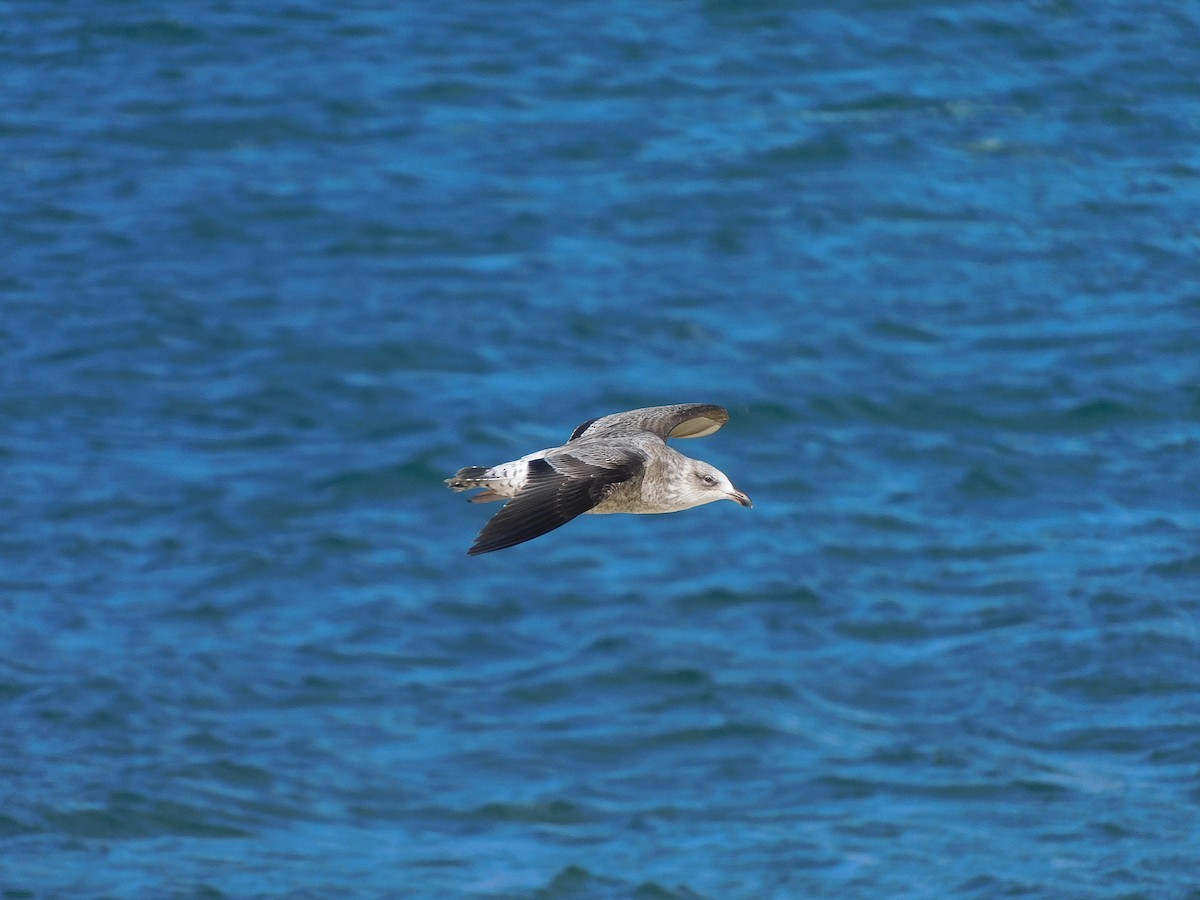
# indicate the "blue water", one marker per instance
pixel 272 271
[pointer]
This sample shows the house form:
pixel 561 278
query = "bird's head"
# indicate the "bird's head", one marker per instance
pixel 706 484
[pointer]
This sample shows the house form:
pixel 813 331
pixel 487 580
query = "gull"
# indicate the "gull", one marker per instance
pixel 612 464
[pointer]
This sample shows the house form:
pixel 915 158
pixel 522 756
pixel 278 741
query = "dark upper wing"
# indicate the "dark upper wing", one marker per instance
pixel 553 495
pixel 683 420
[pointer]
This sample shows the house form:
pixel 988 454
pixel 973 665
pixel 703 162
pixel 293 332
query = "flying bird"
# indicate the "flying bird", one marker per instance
pixel 613 464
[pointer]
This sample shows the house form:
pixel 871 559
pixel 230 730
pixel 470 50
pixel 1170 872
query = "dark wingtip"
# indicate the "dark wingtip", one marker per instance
pixel 581 429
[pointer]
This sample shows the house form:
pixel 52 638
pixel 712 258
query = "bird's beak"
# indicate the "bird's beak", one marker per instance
pixel 739 497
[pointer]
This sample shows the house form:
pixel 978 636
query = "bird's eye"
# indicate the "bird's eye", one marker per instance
pixel 708 479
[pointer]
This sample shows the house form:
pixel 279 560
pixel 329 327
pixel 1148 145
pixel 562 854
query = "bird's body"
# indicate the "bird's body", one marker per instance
pixel 614 464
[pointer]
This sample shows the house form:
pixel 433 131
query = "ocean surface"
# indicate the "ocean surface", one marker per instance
pixel 271 272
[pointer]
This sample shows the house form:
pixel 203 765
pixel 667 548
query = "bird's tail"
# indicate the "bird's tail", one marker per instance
pixel 477 477
pixel 467 478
